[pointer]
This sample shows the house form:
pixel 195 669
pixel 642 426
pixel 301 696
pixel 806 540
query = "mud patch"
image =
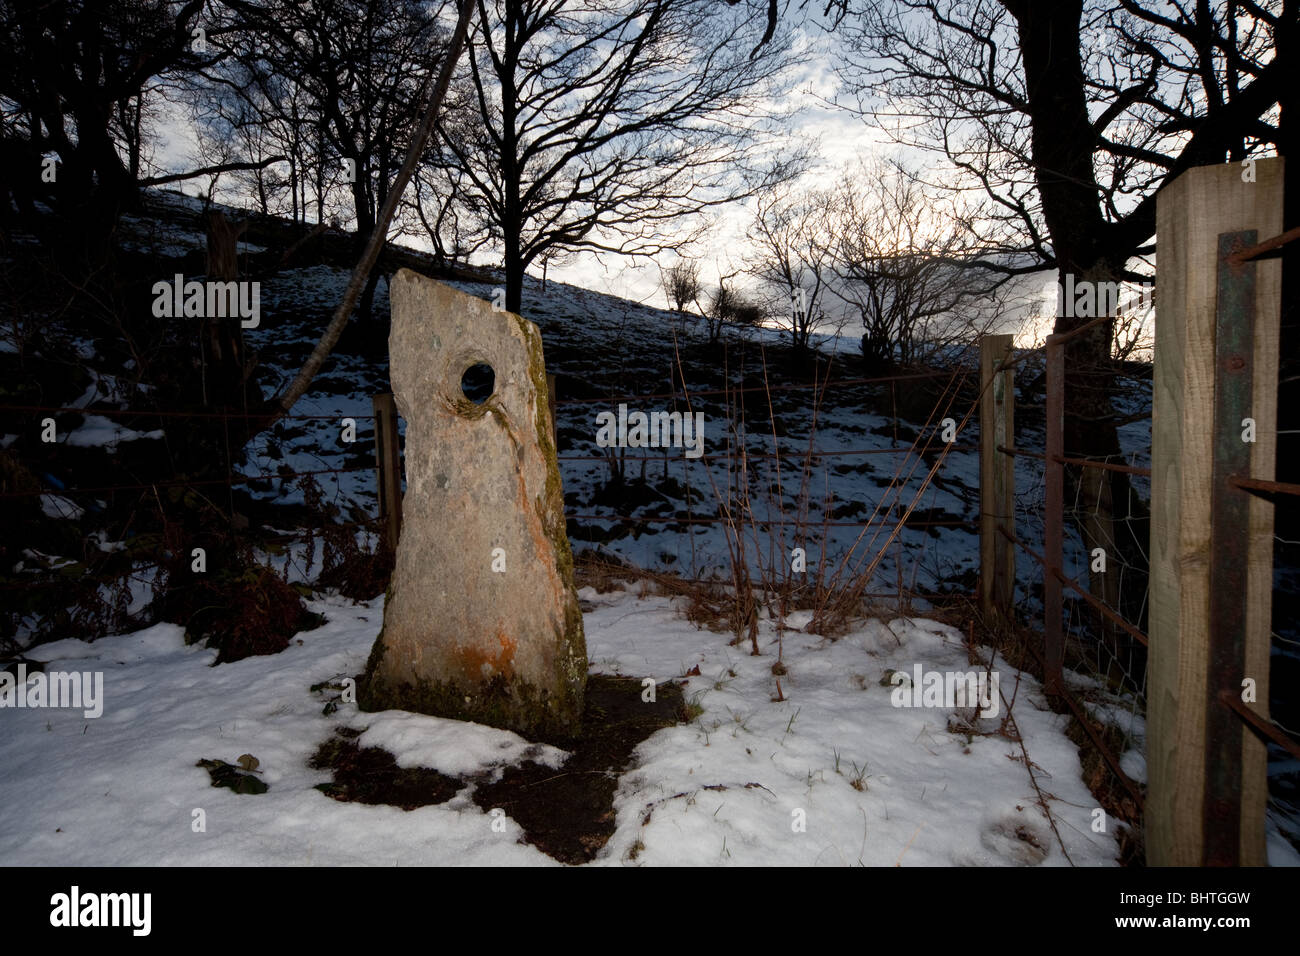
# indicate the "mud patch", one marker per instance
pixel 567 813
pixel 371 775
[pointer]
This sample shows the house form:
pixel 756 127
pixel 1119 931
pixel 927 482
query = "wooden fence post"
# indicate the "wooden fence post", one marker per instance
pixel 997 479
pixel 388 468
pixel 1209 633
pixel 1054 518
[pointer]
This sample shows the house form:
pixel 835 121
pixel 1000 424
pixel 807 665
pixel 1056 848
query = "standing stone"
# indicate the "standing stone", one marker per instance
pixel 482 620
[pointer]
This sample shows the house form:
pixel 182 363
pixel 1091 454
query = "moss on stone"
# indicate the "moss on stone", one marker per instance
pixel 571 661
pixel 512 703
pixel 365 681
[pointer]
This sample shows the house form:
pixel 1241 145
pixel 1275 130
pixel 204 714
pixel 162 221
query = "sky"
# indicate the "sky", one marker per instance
pixel 813 85
pixel 839 137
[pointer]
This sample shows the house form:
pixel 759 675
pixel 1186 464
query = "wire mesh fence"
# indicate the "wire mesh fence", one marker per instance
pixel 768 497
pixel 783 496
pixel 1084 524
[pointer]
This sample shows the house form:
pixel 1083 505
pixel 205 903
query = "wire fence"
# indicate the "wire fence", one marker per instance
pixel 1104 653
pixel 771 491
pixel 741 503
pixel 1083 521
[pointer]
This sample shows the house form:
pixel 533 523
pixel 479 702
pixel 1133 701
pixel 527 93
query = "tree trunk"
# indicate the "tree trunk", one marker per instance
pixel 1064 144
pixel 512 221
pixel 1102 503
pixel 227 366
pixel 362 210
pixel 365 309
pixel 514 278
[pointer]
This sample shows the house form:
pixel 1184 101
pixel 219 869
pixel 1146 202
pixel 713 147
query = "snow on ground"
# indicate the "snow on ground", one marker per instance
pixel 97 431
pixel 586 335
pixel 732 787
pixel 929 796
pixel 57 506
pixel 597 344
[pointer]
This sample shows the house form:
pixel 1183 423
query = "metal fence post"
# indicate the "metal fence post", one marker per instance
pixel 1229 515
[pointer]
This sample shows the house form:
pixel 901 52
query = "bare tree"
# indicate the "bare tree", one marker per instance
pixel 681 282
pixel 447 221
pixel 899 261
pixel 361 271
pixel 1134 334
pixel 792 231
pixel 718 312
pixel 555 255
pixel 364 68
pixel 72 72
pixel 599 122
pixel 730 306
pixel 232 128
pixel 1070 115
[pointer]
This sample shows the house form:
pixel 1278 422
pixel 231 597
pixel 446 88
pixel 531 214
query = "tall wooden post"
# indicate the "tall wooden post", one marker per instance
pixel 1216 363
pixel 388 468
pixel 1054 518
pixel 997 479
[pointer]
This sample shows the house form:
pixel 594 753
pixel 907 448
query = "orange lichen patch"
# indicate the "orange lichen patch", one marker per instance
pixel 480 664
pixel 505 663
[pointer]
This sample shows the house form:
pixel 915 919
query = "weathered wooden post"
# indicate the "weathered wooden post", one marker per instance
pixel 482 620
pixel 1214 416
pixel 1054 517
pixel 388 468
pixel 997 479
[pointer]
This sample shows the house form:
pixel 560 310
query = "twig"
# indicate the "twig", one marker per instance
pixel 899 861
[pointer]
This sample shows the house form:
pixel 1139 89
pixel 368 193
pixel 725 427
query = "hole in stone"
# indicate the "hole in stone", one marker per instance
pixel 478 382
